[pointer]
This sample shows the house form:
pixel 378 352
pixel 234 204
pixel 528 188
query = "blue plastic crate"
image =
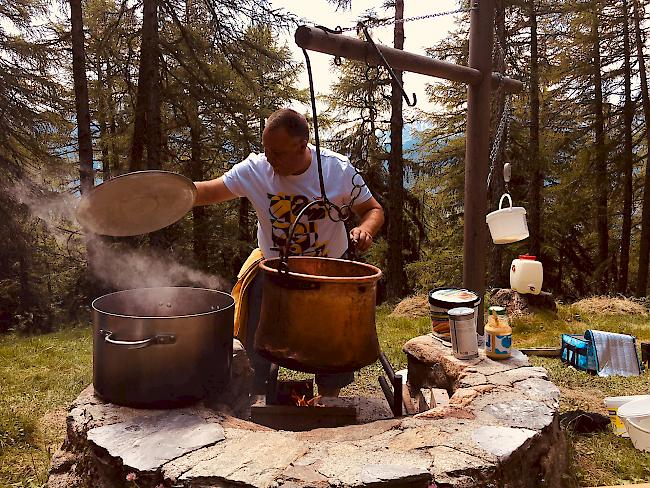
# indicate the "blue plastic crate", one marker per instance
pixel 579 352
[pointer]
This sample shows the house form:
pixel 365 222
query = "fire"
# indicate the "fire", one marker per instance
pixel 301 402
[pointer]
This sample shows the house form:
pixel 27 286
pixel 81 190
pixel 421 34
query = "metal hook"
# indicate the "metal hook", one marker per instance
pixel 393 76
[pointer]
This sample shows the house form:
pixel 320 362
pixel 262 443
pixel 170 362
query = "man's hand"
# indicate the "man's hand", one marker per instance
pixel 371 218
pixel 362 239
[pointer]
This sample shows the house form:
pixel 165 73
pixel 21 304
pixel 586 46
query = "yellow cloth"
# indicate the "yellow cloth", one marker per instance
pixel 240 292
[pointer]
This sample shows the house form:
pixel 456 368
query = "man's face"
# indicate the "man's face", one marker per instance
pixel 285 153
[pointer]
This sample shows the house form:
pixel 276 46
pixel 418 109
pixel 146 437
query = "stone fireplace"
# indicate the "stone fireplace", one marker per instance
pixel 500 428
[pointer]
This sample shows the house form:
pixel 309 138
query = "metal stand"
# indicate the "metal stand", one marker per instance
pixel 394 391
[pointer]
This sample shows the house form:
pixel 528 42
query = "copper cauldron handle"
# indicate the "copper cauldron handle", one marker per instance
pixel 285 251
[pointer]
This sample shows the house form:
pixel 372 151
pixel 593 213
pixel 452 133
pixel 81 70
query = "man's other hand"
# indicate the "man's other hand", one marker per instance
pixel 362 239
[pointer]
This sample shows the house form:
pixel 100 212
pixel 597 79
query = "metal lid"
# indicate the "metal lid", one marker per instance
pixel 136 203
pixel 460 312
pixel 451 297
pixel 497 309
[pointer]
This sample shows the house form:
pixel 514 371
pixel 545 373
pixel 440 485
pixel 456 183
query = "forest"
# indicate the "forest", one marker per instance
pixel 93 89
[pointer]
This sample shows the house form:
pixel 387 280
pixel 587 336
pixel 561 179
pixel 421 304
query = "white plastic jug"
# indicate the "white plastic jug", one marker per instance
pixel 507 224
pixel 526 275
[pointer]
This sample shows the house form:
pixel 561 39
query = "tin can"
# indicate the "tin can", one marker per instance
pixel 462 326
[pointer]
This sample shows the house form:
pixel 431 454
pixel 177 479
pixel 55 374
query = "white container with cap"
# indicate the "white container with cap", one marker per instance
pixel 526 275
pixel 462 326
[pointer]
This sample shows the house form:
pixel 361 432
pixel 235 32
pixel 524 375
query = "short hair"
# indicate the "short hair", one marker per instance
pixel 295 123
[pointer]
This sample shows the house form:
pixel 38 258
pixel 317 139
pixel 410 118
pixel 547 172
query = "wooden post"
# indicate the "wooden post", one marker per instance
pixel 315 39
pixel 477 149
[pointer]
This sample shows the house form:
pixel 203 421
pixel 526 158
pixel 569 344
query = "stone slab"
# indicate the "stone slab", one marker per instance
pixel 501 441
pixel 150 442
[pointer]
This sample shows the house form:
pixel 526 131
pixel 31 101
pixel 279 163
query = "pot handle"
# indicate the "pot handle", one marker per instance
pixel 504 196
pixel 285 251
pixel 150 341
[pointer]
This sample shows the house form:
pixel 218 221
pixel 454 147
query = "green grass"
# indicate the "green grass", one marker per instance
pixel 40 376
pixel 603 458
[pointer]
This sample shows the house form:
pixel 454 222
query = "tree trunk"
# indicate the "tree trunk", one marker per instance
pixel 142 102
pixel 154 131
pixel 101 116
pixel 496 276
pixel 86 176
pixel 199 216
pixel 628 158
pixel 115 159
pixel 644 245
pixel 536 173
pixel 396 283
pixel 600 168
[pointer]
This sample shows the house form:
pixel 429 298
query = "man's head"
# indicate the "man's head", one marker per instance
pixel 285 140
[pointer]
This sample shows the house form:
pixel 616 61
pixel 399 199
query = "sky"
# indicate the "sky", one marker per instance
pixel 419 35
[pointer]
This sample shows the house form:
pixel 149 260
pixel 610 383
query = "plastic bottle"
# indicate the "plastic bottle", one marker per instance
pixel 498 334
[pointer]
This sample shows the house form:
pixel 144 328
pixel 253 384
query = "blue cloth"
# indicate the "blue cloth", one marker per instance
pixel 261 365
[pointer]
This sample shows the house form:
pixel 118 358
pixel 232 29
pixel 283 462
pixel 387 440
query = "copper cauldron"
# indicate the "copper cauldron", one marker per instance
pixel 319 315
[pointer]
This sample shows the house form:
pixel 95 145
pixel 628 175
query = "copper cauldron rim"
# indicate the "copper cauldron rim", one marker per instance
pixel 165 317
pixel 370 278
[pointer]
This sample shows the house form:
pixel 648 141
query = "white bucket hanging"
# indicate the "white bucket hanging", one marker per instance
pixel 507 225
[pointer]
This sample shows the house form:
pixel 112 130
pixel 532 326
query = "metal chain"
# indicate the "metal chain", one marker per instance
pixel 367 128
pixel 505 115
pixel 498 136
pixel 390 21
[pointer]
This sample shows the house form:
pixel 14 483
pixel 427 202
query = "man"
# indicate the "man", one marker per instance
pixel 279 183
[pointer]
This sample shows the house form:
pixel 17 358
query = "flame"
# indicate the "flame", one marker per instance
pixel 301 402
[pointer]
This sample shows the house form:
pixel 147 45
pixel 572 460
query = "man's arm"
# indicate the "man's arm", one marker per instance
pixel 213 191
pixel 371 217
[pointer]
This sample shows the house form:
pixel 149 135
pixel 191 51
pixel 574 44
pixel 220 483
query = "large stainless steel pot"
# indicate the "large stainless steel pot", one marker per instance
pixel 161 346
pixel 319 317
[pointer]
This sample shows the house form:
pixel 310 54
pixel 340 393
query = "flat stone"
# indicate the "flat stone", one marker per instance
pixel 254 459
pixel 511 376
pixel 151 442
pixel 378 473
pixel 451 465
pixel 501 441
pixel 420 437
pixel 303 474
pixel 349 432
pixel 471 379
pixel 359 465
pixel 522 413
pixel 540 390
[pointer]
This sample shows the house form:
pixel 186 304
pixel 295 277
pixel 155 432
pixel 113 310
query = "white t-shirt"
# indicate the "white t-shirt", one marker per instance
pixel 278 200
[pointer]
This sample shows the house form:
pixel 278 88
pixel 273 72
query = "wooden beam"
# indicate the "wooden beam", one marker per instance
pixel 315 39
pixel 477 151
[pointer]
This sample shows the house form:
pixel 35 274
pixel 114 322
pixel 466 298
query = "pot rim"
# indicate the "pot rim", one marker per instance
pixel 371 278
pixel 112 314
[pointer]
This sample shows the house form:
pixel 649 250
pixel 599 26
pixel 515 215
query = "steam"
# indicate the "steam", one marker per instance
pixel 117 266
pixel 124 268
pixel 56 210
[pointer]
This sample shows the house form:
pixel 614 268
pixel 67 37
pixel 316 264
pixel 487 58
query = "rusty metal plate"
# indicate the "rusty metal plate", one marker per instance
pixel 136 203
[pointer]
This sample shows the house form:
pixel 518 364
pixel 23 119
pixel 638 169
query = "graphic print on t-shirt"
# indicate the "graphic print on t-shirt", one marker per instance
pixel 283 210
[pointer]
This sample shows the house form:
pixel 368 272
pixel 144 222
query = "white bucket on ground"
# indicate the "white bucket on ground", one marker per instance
pixel 612 404
pixel 636 417
pixel 639 431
